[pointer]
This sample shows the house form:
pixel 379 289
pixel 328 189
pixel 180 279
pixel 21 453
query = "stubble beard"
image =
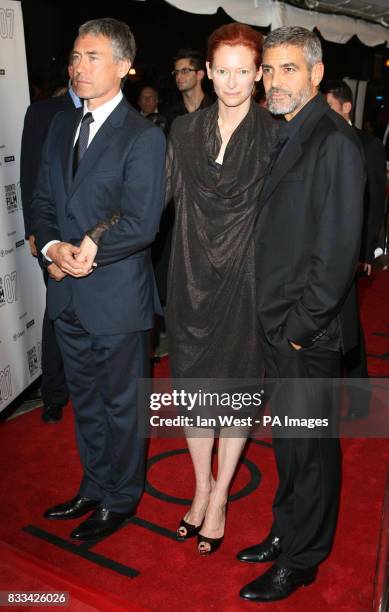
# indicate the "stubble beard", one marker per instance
pixel 295 101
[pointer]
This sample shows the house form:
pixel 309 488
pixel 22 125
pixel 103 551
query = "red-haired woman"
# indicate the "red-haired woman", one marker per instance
pixel 217 162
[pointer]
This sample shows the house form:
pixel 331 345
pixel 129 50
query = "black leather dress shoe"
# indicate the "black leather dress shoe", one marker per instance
pixel 101 523
pixel 266 551
pixel 278 583
pixel 52 413
pixel 74 508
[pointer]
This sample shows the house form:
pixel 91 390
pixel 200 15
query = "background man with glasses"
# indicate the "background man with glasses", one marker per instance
pixel 189 73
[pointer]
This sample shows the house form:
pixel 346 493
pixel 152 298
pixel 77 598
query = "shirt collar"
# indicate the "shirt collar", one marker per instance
pixel 101 113
pixel 290 128
pixel 76 100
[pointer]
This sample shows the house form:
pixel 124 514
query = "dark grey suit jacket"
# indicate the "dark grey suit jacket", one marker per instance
pixel 308 235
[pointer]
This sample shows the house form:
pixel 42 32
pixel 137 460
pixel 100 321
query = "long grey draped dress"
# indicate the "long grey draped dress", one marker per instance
pixel 211 313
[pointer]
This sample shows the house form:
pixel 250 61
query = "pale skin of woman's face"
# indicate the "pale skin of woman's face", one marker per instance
pixel 233 72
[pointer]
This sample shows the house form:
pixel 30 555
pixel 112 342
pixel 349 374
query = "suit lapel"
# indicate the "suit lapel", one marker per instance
pixel 67 149
pixel 99 144
pixel 293 149
pixel 283 165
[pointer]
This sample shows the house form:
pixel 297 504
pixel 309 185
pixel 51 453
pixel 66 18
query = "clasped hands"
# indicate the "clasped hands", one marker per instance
pixel 72 260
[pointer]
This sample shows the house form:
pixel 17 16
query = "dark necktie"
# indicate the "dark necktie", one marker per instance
pixel 82 141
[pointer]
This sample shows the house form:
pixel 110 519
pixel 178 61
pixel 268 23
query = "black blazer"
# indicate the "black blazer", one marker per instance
pixel 37 121
pixel 308 235
pixel 374 203
pixel 122 169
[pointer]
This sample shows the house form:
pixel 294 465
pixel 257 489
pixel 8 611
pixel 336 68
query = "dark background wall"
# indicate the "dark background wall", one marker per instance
pixel 160 29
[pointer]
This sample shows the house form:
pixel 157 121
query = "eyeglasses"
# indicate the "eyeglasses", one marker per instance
pixel 183 71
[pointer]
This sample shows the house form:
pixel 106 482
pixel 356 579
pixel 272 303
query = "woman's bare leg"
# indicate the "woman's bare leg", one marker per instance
pixel 200 448
pixel 229 453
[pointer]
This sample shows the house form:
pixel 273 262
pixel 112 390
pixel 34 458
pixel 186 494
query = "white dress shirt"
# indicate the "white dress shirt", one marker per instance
pixel 100 114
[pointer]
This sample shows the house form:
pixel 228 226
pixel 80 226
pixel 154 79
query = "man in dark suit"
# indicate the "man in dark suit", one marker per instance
pixel 339 97
pixel 307 247
pixel 36 126
pixel 104 159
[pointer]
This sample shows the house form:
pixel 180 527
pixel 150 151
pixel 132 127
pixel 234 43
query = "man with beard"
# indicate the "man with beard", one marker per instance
pixel 311 208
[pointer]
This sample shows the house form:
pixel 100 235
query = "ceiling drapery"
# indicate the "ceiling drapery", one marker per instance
pixel 265 13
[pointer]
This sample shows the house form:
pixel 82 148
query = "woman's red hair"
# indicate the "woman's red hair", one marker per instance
pixel 234 34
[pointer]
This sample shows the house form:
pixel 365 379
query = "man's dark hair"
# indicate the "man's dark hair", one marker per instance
pixel 120 35
pixel 195 58
pixel 297 37
pixel 339 89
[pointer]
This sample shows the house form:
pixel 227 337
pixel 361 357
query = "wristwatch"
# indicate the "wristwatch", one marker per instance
pixel 43 261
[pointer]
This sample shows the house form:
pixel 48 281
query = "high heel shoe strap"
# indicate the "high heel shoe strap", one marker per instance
pixel 210 541
pixel 191 530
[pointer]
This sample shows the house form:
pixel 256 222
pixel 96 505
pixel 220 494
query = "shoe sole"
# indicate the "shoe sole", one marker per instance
pixel 99 536
pixel 256 599
pixel 253 562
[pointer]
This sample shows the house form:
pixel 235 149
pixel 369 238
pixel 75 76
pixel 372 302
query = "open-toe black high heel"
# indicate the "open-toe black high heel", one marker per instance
pixel 191 531
pixel 214 544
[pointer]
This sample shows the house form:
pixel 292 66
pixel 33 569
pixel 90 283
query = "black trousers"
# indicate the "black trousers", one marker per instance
pixel 355 366
pixel 305 507
pixel 54 388
pixel 355 361
pixel 102 372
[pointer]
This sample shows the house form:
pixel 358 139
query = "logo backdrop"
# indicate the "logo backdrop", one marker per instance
pixel 22 292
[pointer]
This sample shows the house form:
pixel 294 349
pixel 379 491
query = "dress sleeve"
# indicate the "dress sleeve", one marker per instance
pixel 169 169
pixel 97 231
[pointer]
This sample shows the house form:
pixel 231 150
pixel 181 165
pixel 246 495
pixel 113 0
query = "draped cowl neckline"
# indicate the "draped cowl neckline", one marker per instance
pixel 245 158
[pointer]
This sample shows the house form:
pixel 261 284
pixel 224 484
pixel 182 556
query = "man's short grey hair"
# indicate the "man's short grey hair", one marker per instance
pixel 297 37
pixel 120 35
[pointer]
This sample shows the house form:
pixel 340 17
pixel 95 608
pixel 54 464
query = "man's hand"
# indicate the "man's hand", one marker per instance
pixel 64 255
pixel 296 347
pixel 55 272
pixel 33 249
pixel 87 254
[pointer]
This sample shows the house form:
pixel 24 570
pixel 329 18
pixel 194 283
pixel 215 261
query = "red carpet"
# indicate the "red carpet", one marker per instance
pixel 141 566
pixel 374 301
pixel 21 570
